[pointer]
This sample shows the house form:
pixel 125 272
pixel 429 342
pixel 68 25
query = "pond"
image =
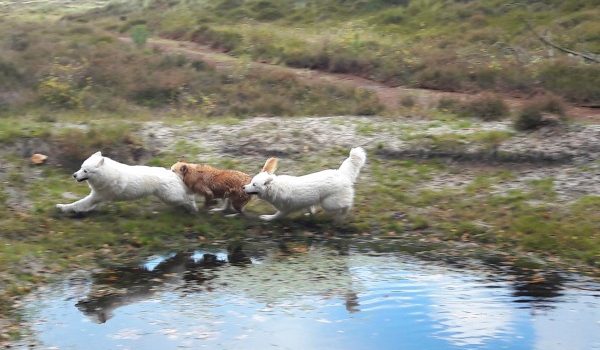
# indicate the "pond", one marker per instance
pixel 313 294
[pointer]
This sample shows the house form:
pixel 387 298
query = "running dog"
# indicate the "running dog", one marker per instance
pixel 332 189
pixel 213 183
pixel 110 180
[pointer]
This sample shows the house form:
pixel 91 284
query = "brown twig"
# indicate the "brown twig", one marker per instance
pixel 546 41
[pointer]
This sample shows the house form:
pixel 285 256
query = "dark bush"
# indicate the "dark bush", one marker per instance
pixel 199 65
pixel 576 82
pixel 75 145
pixel 534 114
pixel 529 118
pixel 449 104
pixel 172 61
pixel 9 74
pixel 407 101
pixel 265 10
pixel 19 42
pixel 486 106
pixel 440 77
pixel 305 59
pixel 549 103
pixel 223 40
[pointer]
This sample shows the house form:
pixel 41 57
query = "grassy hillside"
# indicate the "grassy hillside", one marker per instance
pixel 448 45
pixel 51 67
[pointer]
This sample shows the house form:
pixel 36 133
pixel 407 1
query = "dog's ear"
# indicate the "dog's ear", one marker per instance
pixel 97 154
pixel 270 165
pixel 100 162
pixel 183 169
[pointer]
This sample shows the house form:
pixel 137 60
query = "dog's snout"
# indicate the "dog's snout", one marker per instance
pixel 75 175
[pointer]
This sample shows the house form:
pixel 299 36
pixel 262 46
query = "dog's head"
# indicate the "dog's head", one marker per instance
pixel 180 168
pixel 262 180
pixel 89 167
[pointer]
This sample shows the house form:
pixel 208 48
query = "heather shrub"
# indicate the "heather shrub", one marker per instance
pixel 218 39
pixel 576 82
pixel 534 114
pixel 486 106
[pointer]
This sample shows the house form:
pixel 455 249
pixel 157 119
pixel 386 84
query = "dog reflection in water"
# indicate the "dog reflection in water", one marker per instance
pixel 286 271
pixel 122 286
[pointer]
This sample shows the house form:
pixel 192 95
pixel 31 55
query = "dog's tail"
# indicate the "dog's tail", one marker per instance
pixel 351 166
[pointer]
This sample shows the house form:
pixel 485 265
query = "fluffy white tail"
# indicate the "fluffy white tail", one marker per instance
pixel 351 166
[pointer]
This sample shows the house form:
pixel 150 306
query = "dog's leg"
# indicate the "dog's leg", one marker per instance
pixel 209 199
pixel 277 215
pixel 312 210
pixel 179 198
pixel 87 203
pixel 237 204
pixel 224 207
pixel 190 205
pixel 340 215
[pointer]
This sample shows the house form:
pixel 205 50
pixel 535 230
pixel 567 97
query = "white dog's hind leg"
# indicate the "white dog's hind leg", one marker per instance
pixel 340 215
pixel 277 215
pixel 312 211
pixel 190 205
pixel 178 198
pixel 85 204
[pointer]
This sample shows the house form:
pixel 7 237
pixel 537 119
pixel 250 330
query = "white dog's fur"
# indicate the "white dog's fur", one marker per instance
pixel 113 181
pixel 332 189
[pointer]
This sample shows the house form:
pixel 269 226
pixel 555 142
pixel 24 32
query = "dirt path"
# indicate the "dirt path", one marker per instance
pixel 388 96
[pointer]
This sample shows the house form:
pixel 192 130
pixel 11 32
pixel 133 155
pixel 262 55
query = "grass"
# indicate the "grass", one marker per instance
pixel 422 43
pixel 90 71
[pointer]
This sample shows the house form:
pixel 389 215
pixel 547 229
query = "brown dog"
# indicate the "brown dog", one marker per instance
pixel 215 183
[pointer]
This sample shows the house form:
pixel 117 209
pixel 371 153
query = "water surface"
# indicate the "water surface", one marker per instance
pixel 313 295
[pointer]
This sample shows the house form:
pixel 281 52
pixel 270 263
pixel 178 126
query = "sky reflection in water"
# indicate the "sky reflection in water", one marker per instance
pixel 312 296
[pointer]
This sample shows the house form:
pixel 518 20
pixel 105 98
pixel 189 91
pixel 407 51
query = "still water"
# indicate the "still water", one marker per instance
pixel 313 295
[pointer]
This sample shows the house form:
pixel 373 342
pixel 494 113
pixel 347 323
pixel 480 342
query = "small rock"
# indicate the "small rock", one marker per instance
pixel 38 159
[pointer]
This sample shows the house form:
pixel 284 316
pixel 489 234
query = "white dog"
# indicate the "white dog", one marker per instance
pixel 332 189
pixel 112 181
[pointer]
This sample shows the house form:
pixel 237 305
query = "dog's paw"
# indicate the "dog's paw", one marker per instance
pixel 61 207
pixel 216 210
pixel 267 217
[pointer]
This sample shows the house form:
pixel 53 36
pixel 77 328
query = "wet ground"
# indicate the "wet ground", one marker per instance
pixel 313 294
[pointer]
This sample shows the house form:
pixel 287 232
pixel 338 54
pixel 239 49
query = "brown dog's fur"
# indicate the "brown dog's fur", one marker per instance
pixel 215 183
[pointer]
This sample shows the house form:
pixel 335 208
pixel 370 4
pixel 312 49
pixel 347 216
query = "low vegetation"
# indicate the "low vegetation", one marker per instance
pixel 488 107
pixel 89 70
pixel 540 111
pixel 422 43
